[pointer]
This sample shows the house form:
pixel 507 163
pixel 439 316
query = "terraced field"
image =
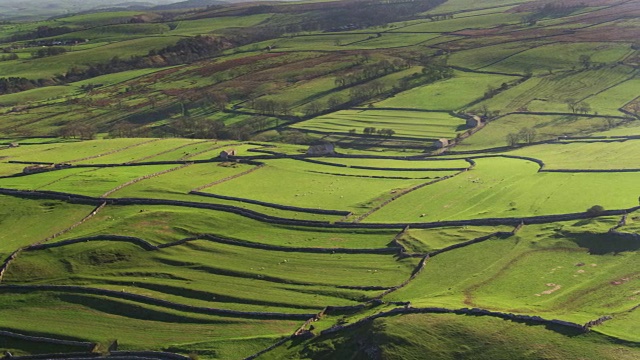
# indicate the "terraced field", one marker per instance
pixel 162 197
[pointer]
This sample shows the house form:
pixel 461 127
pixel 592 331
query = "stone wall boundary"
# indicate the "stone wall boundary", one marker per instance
pixel 84 344
pixel 166 151
pixel 145 177
pixel 526 319
pixel 512 221
pixel 273 205
pixel 228 178
pixel 15 254
pixel 111 151
pixel 158 302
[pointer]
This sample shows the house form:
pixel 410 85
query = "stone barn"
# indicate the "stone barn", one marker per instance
pixel 474 121
pixel 441 143
pixel 224 154
pixel 323 149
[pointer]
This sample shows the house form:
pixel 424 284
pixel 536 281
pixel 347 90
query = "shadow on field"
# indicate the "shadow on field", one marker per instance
pixel 602 244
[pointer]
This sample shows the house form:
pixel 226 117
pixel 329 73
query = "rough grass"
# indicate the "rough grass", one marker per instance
pixel 535 272
pixel 441 336
pixel 25 222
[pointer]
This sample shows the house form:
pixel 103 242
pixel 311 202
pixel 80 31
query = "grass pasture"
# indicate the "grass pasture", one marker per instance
pixel 216 259
pixel 587 155
pixel 547 127
pixel 25 222
pixel 305 189
pixel 533 273
pixel 426 125
pixel 549 93
pixel 560 56
pixel 523 192
pixel 450 94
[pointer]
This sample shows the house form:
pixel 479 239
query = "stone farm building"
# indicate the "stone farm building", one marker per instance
pixel 224 154
pixel 474 121
pixel 441 143
pixel 323 149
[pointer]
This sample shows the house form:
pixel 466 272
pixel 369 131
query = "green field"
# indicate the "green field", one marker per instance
pixel 523 192
pixel 450 94
pixel 341 225
pixel 426 125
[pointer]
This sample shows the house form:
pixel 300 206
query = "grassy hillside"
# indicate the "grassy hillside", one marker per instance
pixel 475 194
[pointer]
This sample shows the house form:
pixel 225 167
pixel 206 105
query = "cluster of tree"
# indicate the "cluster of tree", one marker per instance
pixel 357 14
pixel 10 56
pixel 439 17
pixel 78 130
pixel 528 135
pixel 48 51
pixel 492 91
pixel 199 128
pixel 366 91
pixel 369 72
pixel 41 32
pixel 17 84
pixel 374 131
pixel 486 113
pixel 430 73
pixel 127 130
pixel 184 51
pixel 271 107
pixel 585 61
pixel 549 10
pixel 316 107
pixel 578 107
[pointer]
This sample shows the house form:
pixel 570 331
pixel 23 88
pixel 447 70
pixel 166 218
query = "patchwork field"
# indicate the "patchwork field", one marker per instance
pixel 301 180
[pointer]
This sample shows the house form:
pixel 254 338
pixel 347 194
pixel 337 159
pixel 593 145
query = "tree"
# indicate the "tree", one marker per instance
pixel 513 139
pixel 585 61
pixel 369 131
pixel 583 108
pixel 387 132
pixel 595 210
pixel 571 104
pixel 220 100
pixel 611 122
pixel 334 101
pixel 312 108
pixel 527 134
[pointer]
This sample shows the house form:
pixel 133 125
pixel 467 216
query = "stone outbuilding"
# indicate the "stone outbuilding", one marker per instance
pixel 441 143
pixel 323 149
pixel 14 145
pixel 474 121
pixel 224 154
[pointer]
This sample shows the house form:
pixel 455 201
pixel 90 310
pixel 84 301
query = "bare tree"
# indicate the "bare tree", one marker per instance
pixel 513 139
pixel 528 135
